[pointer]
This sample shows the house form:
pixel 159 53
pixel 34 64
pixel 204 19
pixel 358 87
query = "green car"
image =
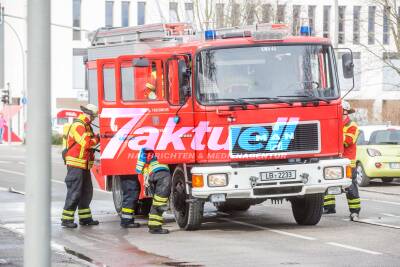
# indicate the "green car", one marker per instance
pixel 378 154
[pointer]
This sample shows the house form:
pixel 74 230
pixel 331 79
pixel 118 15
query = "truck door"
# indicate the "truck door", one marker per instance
pixel 135 112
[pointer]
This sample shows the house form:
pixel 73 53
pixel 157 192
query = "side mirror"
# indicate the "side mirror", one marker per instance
pixel 141 63
pixel 348 65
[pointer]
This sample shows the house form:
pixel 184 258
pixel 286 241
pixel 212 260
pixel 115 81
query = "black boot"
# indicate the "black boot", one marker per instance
pixel 68 224
pixel 158 230
pixel 88 222
pixel 128 223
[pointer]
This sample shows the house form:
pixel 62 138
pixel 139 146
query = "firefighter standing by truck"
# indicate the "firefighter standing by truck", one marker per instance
pixel 79 158
pixel 130 194
pixel 350 134
pixel 158 180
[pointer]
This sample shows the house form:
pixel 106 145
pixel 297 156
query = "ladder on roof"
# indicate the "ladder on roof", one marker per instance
pixel 142 33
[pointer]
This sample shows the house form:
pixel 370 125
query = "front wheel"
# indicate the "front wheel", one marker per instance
pixel 362 178
pixel 188 212
pixel 307 210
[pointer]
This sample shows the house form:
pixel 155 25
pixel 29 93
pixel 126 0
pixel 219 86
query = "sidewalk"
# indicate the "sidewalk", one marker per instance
pixel 12 251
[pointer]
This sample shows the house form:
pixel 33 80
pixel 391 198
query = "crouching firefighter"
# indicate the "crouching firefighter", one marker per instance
pixel 158 180
pixel 79 158
pixel 350 134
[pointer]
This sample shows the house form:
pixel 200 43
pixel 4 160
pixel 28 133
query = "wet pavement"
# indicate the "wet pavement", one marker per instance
pixel 266 235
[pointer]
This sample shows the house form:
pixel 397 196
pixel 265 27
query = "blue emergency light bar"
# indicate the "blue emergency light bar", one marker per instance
pixel 210 34
pixel 305 31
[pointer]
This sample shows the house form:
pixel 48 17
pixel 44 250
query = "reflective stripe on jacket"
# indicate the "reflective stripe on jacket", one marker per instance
pixel 81 154
pixel 350 134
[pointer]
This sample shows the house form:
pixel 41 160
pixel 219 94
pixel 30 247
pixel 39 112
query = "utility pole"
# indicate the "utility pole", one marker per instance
pixel 1 47
pixel 38 168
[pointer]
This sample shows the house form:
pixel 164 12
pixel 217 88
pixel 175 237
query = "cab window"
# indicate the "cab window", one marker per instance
pixel 109 83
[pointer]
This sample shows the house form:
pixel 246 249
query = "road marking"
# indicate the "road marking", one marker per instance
pixel 381 201
pixel 53 180
pixel 269 229
pixel 390 215
pixel 354 248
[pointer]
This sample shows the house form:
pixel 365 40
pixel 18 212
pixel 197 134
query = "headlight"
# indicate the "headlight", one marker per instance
pixel 217 179
pixel 332 173
pixel 373 152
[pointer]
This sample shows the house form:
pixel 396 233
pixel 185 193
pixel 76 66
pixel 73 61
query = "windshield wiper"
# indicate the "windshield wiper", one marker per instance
pixel 310 97
pixel 239 101
pixel 271 98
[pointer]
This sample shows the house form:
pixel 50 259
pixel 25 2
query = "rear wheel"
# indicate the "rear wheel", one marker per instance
pixel 387 180
pixel 117 193
pixel 188 212
pixel 307 210
pixel 233 205
pixel 362 178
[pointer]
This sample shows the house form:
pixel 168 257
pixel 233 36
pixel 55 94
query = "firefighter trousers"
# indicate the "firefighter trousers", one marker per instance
pixel 161 185
pixel 353 197
pixel 130 194
pixel 79 194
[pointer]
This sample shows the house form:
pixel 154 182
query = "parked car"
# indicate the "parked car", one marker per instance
pixel 378 153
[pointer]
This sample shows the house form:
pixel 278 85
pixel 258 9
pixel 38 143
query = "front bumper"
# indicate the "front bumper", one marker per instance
pixel 241 180
pixel 385 170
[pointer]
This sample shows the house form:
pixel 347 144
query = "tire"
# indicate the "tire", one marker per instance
pixel 361 178
pixel 387 180
pixel 308 210
pixel 188 212
pixel 117 193
pixel 233 205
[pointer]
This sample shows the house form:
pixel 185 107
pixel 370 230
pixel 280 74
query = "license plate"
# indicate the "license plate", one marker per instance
pixel 278 175
pixel 395 165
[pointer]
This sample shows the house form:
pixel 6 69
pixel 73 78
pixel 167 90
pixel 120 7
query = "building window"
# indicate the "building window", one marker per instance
pixel 141 11
pixel 189 15
pixel 371 24
pixel 266 13
pixel 125 13
pixel 296 19
pixel 342 23
pixel 386 17
pixel 173 12
pixel 390 76
pixel 219 13
pixel 76 19
pixel 235 14
pixel 250 13
pixel 280 14
pixel 356 24
pixel 326 21
pixel 311 18
pixel 109 13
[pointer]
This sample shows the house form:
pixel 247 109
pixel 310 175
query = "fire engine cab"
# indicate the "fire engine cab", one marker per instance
pixel 240 115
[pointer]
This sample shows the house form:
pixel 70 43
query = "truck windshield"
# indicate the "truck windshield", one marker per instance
pixel 278 73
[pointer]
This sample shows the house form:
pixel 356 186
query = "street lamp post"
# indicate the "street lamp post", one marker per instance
pixel 38 168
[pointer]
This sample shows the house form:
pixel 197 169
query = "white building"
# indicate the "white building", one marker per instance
pixel 377 90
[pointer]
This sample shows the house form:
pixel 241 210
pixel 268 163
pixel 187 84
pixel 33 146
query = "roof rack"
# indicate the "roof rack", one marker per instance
pixel 142 33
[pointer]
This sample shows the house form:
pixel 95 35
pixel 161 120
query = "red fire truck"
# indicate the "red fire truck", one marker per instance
pixel 241 116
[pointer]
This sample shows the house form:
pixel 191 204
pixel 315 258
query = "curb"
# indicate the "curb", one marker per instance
pixel 379 192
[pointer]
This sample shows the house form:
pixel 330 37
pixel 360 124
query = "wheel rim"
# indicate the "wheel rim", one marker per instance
pixel 179 197
pixel 360 176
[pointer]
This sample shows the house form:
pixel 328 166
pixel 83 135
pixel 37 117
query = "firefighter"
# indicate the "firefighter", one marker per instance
pixel 151 84
pixel 79 158
pixel 350 134
pixel 158 179
pixel 130 194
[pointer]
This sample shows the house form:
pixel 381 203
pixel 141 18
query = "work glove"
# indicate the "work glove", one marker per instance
pixel 141 161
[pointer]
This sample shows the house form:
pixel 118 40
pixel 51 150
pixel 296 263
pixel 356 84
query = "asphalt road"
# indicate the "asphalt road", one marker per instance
pixel 266 235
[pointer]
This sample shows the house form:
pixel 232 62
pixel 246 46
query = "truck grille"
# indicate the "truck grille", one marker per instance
pixel 277 190
pixel 304 139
